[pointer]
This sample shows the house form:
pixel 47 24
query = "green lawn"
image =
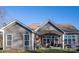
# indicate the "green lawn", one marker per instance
pixel 49 50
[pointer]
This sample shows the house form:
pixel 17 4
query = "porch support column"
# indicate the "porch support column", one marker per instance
pixel 63 41
pixel 3 39
pixel 33 39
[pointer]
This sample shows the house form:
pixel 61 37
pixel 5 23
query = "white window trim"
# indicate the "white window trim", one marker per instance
pixel 11 40
pixel 71 38
pixel 24 40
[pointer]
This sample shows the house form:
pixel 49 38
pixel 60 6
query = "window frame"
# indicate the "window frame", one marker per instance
pixel 26 46
pixel 9 46
pixel 65 41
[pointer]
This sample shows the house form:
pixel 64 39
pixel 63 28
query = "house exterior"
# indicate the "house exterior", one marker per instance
pixel 16 35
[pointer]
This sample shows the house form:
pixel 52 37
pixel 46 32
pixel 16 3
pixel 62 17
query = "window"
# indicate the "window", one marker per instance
pixel 73 41
pixel 9 40
pixel 69 41
pixel 65 41
pixel 69 37
pixel 48 36
pixel 44 40
pixel 48 40
pixel 26 40
pixel 65 37
pixel 73 37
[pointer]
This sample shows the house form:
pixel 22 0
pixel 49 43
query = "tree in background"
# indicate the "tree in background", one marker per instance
pixel 3 20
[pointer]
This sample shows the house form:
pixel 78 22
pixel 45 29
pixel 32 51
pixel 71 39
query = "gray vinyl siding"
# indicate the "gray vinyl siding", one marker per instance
pixel 17 31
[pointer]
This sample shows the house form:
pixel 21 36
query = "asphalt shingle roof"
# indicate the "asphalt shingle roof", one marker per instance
pixel 64 27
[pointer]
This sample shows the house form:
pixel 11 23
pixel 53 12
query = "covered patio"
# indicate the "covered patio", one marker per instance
pixel 49 38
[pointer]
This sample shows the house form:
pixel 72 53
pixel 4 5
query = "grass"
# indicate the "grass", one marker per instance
pixel 49 50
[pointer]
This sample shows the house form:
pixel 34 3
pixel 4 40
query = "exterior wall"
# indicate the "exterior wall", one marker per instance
pixel 17 31
pixel 1 41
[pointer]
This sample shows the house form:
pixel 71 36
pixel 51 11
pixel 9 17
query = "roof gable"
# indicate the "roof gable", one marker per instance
pixel 49 25
pixel 18 23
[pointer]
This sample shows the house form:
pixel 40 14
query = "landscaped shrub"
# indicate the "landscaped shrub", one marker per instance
pixel 48 45
pixel 77 49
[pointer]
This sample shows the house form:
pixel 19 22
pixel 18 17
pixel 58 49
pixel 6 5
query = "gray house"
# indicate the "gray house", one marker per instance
pixel 16 35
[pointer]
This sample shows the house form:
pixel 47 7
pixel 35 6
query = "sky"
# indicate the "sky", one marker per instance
pixel 39 14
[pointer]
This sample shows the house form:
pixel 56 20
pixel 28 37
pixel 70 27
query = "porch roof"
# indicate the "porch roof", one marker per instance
pixel 49 32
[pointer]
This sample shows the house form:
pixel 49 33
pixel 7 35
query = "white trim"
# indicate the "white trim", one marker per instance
pixel 24 40
pixel 8 25
pixel 33 38
pixel 63 41
pixel 1 30
pixel 72 32
pixel 11 40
